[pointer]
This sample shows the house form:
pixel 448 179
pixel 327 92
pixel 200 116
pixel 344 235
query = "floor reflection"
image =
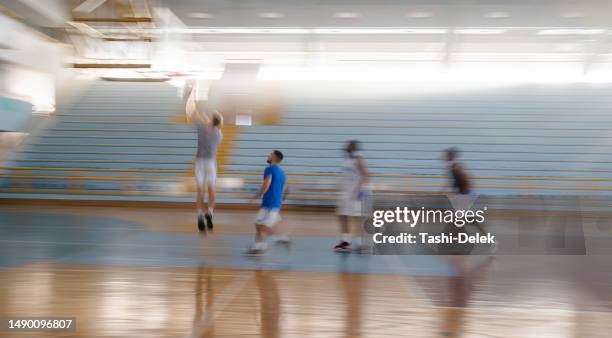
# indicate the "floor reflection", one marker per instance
pixel 354 286
pixel 204 288
pixel 269 301
pixel 461 286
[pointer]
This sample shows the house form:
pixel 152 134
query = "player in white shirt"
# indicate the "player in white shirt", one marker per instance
pixel 350 208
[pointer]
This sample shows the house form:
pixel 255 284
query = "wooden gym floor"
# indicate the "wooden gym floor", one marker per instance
pixel 146 272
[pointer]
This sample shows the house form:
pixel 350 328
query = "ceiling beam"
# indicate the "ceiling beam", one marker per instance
pixel 112 65
pixel 121 20
pixel 88 6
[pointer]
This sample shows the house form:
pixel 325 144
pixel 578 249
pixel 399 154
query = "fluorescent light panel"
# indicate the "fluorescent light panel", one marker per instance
pixel 497 15
pixel 271 15
pixel 347 15
pixel 379 31
pixel 564 31
pixel 572 15
pixel 419 15
pixel 200 15
pixel 479 31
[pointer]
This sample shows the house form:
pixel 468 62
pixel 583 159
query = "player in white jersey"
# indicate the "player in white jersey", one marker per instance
pixel 352 194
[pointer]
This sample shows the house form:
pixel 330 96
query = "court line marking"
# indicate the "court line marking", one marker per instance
pixel 123 268
pixel 268 265
pixel 228 294
pixel 119 268
pixel 68 227
pixel 155 245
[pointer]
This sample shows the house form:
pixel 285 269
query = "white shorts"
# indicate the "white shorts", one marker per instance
pixel 348 206
pixel 205 171
pixel 268 217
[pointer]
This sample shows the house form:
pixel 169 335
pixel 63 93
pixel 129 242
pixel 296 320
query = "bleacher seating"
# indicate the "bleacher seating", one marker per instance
pixel 521 141
pixel 120 142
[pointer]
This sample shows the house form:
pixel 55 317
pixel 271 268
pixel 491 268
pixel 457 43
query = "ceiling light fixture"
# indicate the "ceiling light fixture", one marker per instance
pixel 479 31
pixel 571 31
pixel 247 30
pixel 572 15
pixel 347 15
pixel 419 15
pixel 271 15
pixel 379 31
pixel 497 15
pixel 200 15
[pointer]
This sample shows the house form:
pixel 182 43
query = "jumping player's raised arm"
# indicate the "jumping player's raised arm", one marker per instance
pixel 194 115
pixel 200 118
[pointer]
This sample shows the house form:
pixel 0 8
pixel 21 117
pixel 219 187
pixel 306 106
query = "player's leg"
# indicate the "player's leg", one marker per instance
pixel 212 194
pixel 260 245
pixel 466 202
pixel 211 206
pixel 265 226
pixel 211 177
pixel 357 231
pixel 345 234
pixel 482 227
pixel 276 233
pixel 200 185
pixel 260 229
pixel 200 205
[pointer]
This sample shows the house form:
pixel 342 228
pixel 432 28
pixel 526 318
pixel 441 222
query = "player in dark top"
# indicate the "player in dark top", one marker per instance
pixel 460 183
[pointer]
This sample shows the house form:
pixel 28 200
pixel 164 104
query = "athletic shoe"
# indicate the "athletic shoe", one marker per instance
pixel 252 251
pixel 201 225
pixel 209 222
pixel 283 239
pixel 257 249
pixel 343 247
pixel 362 249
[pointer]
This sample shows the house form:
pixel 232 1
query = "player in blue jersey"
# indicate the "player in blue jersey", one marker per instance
pixel 272 193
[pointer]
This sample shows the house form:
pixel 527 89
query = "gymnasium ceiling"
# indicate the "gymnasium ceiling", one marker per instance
pixel 209 33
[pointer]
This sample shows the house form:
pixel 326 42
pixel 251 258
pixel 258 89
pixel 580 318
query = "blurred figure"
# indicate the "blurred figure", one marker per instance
pixel 272 193
pixel 350 203
pixel 461 282
pixel 209 138
pixel 460 184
